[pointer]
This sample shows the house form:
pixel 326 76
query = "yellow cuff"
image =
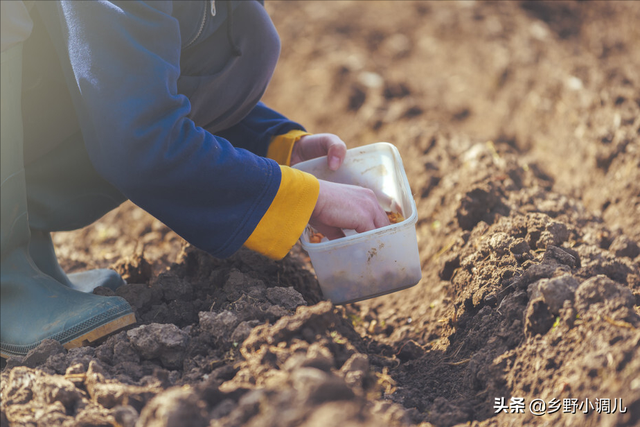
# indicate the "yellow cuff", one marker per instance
pixel 282 145
pixel 285 220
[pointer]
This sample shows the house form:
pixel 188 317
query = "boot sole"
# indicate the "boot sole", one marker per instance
pixel 96 334
pixel 101 331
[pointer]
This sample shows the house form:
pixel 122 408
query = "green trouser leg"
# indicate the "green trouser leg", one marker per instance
pixel 34 306
pixel 64 192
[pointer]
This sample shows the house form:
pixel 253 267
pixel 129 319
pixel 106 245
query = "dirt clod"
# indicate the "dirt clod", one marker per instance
pixel 174 408
pixel 602 291
pixel 287 298
pixel 538 318
pixel 623 246
pixel 554 292
pixel 165 342
pixel 42 352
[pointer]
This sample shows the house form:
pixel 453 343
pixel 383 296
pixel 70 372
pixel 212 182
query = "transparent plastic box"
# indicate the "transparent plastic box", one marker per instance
pixel 376 262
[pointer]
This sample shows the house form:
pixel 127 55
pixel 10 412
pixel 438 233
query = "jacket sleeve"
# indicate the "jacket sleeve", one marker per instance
pixel 257 131
pixel 123 66
pixel 269 133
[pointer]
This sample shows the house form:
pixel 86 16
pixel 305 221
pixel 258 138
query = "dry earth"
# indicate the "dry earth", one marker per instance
pixel 519 126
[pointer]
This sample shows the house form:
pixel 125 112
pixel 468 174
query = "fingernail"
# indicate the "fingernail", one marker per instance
pixel 334 162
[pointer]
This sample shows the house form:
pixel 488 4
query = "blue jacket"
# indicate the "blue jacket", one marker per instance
pixel 121 60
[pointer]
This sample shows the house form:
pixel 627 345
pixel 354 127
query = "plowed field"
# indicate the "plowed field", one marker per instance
pixel 519 127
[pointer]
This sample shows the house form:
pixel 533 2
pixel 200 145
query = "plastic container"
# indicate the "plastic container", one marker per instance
pixel 376 262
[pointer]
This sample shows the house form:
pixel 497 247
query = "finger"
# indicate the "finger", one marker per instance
pixel 335 233
pixel 336 153
pixel 312 146
pixel 381 219
pixel 386 201
pixel 395 207
pixel 365 226
pixel 329 232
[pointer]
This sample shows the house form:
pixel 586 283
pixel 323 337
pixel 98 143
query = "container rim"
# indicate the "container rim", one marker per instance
pixel 343 241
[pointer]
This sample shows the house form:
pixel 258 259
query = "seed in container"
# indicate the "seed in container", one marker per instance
pixel 395 217
pixel 315 237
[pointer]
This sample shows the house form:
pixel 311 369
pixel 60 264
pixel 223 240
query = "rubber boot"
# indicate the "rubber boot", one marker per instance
pixel 43 254
pixel 34 306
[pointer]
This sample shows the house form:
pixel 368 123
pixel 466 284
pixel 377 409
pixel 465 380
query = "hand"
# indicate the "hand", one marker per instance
pixel 346 206
pixel 322 144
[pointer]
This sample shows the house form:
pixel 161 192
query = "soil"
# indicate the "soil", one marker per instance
pixel 519 127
